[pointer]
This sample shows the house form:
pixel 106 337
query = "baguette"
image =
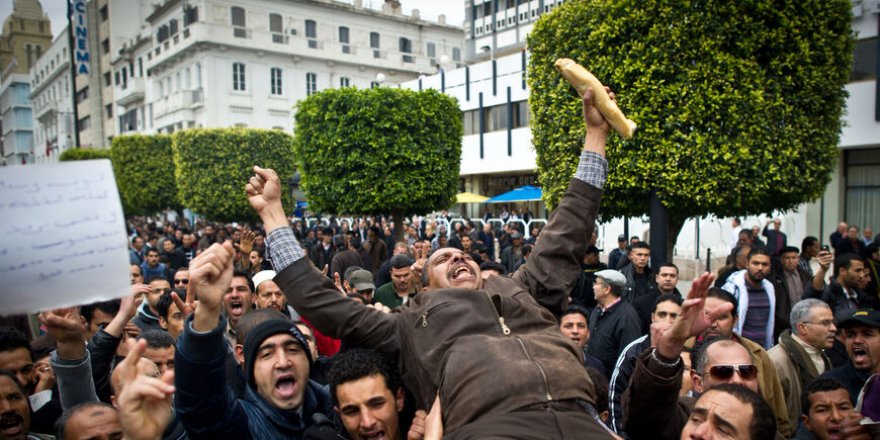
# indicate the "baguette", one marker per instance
pixel 583 80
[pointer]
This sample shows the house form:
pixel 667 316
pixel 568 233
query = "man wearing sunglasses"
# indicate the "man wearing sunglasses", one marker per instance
pixel 651 403
pixel 181 278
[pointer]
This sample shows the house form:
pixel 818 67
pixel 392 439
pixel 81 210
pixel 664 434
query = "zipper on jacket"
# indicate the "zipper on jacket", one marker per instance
pixel 435 307
pixel 498 311
pixel 540 368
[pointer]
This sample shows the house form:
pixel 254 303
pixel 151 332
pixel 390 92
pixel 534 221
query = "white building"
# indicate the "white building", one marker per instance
pixel 492 92
pixel 53 102
pixel 219 63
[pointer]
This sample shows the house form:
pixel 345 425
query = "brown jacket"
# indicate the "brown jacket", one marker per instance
pixel 795 370
pixel 487 352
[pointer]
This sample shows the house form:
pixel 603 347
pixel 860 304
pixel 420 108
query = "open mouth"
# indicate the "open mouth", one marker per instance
pixel 11 424
pixel 860 355
pixel 462 272
pixel 373 435
pixel 834 432
pixel 236 306
pixel 285 385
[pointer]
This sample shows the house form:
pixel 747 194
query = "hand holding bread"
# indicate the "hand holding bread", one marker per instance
pixel 583 80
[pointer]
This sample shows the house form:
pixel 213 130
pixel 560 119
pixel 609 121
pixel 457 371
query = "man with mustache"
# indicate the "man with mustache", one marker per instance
pixel 237 301
pixel 490 352
pixel 862 329
pixel 15 411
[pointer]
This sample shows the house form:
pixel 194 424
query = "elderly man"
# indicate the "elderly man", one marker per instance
pixel 614 323
pixel 800 357
pixel 269 296
pixel 506 369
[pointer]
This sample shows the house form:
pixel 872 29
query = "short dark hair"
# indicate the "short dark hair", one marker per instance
pixel 667 264
pixel 401 261
pixel 763 425
pixel 818 385
pixel 493 265
pixel 243 274
pixel 151 250
pixel 789 249
pixel 640 245
pixel 719 293
pixel 327 231
pixel 165 301
pixel 157 338
pixel 61 423
pixel 12 338
pixel 357 363
pixel 671 297
pixel 156 278
pixel 699 360
pixel 808 241
pixel 109 307
pixel 844 261
pixel 758 250
pixel 186 269
pixel 574 308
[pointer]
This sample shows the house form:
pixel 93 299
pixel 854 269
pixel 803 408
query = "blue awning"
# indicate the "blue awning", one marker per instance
pixel 526 193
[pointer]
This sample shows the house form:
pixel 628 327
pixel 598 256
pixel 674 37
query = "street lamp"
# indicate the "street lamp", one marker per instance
pixel 295 192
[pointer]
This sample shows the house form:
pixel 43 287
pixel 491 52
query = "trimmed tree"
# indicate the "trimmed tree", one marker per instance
pixel 84 154
pixel 738 103
pixel 144 168
pixel 213 165
pixel 378 151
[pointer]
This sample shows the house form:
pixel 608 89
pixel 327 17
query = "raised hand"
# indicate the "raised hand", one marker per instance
pixel 210 275
pixel 68 331
pixel 145 402
pixel 264 194
pixel 45 377
pixel 592 117
pixel 692 321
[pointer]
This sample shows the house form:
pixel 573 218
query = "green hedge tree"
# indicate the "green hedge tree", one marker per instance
pixel 378 150
pixel 738 102
pixel 84 154
pixel 144 168
pixel 212 167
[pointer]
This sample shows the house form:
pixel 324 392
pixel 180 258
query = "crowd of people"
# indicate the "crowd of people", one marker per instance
pixel 284 330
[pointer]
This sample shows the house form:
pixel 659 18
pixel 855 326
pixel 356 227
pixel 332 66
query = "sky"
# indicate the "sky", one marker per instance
pixel 429 9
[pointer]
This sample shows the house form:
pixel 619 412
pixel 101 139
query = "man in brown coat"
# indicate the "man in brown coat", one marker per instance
pixel 490 351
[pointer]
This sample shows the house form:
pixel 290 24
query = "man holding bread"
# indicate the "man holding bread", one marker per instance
pixel 488 353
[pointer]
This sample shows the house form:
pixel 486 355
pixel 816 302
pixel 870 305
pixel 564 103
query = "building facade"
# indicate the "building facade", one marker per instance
pixel 52 98
pixel 497 154
pixel 26 36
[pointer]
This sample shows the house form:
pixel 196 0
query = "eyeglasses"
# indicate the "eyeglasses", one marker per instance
pixel 823 323
pixel 725 372
pixel 181 281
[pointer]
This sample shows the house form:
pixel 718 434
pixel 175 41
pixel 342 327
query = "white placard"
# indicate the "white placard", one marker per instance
pixel 62 236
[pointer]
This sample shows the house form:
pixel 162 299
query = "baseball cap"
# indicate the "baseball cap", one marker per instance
pixel 621 237
pixel 362 280
pixel 868 317
pixel 612 277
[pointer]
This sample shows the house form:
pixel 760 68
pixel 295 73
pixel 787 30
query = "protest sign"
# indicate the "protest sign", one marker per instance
pixel 62 236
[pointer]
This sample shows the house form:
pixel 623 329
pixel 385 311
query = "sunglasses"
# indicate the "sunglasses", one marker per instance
pixel 725 372
pixel 181 281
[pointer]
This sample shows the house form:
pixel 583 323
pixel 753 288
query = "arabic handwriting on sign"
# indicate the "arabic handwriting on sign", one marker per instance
pixel 47 245
pixel 46 276
pixel 85 268
pixel 86 219
pixel 27 229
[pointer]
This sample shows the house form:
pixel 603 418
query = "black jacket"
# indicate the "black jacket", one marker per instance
pixel 611 331
pixel 851 378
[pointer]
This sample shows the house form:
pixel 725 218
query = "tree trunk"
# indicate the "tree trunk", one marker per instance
pixel 399 227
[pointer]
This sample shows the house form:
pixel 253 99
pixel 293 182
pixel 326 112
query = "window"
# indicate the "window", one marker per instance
pixel 124 78
pixel 344 81
pixel 312 33
pixel 141 67
pixel 374 44
pixel 104 13
pixel 188 79
pixel 238 22
pixel 456 54
pixel 344 39
pixel 406 48
pixel 190 15
pixel 85 123
pixel 276 27
pixel 238 80
pixel 311 83
pixel 162 34
pixel 107 81
pixel 431 50
pixel 105 46
pixel 108 111
pixel 275 80
pixel 82 95
pixel 198 75
pixel 172 27
pixel 865 60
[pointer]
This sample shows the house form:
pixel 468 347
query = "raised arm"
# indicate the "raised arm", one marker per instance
pixel 554 264
pixel 70 361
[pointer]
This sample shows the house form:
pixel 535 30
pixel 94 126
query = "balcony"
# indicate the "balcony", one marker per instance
pixel 47 110
pixel 131 92
pixel 182 100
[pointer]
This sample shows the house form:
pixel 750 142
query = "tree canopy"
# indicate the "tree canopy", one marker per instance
pixel 738 103
pixel 213 165
pixel 378 150
pixel 144 168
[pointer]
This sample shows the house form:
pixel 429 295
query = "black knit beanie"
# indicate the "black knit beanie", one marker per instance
pixel 263 331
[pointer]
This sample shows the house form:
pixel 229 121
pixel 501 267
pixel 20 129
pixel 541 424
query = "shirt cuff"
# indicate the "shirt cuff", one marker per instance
pixel 284 249
pixel 592 168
